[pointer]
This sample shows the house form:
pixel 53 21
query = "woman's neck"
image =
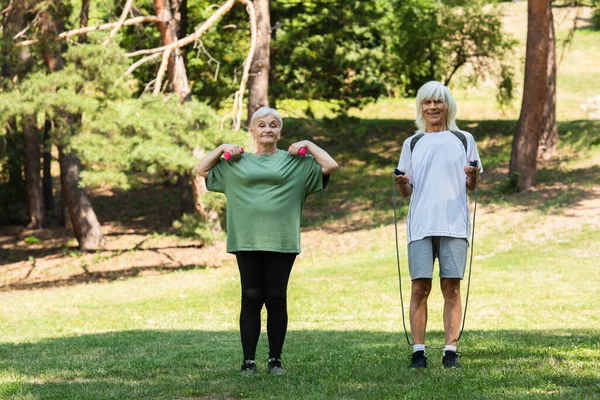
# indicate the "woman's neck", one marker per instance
pixel 268 149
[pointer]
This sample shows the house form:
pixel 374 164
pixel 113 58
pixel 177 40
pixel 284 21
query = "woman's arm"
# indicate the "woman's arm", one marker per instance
pixel 212 158
pixel 327 163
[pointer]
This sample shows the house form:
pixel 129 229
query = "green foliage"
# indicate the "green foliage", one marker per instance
pixel 432 40
pixel 330 52
pixel 349 56
pixel 119 139
pixel 596 15
pixel 31 240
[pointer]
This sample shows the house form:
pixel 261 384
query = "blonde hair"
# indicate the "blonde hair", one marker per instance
pixel 438 91
pixel 263 112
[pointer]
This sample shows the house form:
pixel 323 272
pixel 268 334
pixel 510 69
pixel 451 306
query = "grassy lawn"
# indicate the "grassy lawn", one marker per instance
pixel 532 327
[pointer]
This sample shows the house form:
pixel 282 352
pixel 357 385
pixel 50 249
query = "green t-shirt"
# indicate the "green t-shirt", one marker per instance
pixel 265 197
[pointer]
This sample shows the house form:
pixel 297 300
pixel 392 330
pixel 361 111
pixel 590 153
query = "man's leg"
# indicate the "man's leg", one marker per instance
pixel 418 309
pixel 453 257
pixel 452 309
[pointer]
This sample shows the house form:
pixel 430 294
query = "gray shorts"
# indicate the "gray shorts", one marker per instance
pixel 450 252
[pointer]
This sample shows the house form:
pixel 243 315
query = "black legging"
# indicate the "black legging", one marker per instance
pixel 264 276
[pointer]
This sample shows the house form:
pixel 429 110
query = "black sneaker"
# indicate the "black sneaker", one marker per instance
pixel 418 360
pixel 249 368
pixel 450 359
pixel 275 367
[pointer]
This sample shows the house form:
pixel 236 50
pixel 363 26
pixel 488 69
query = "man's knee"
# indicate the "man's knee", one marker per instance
pixel 451 289
pixel 421 288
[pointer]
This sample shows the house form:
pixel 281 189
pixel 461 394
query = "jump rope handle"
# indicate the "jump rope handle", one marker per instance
pixel 227 156
pixel 302 151
pixel 398 172
pixel 474 163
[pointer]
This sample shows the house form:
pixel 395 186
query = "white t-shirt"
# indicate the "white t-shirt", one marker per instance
pixel 439 204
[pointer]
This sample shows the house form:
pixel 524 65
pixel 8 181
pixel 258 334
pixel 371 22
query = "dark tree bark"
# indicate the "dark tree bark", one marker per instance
pixel 186 194
pixel 523 159
pixel 79 208
pixel 85 224
pixel 168 33
pixel 47 168
pixel 258 83
pixel 83 19
pixel 548 147
pixel 33 176
pixel 179 8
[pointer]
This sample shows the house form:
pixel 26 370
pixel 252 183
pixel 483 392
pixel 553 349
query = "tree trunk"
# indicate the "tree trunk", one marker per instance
pixel 258 83
pixel 47 184
pixel 179 8
pixel 82 215
pixel 79 208
pixel 274 18
pixel 33 177
pixel 83 19
pixel 523 158
pixel 168 33
pixel 548 147
pixel 186 194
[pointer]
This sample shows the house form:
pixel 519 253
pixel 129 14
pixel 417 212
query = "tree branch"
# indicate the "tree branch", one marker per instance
pixel 103 27
pixel 120 23
pixel 185 41
pixel 236 112
pixel 136 64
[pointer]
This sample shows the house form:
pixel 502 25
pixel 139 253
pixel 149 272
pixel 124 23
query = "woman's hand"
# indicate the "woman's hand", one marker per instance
pixel 213 157
pixel 234 150
pixel 295 148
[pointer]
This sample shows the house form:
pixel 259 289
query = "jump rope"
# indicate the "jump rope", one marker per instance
pixel 474 163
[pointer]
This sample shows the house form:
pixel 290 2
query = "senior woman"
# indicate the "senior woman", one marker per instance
pixel 435 161
pixel 265 193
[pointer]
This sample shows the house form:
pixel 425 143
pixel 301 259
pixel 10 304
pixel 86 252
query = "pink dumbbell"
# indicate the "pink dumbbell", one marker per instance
pixel 227 156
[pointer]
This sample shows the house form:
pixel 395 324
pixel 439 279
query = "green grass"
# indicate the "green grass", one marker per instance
pixel 532 329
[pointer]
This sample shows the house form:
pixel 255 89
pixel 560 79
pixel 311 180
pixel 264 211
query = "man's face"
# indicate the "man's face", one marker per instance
pixel 434 110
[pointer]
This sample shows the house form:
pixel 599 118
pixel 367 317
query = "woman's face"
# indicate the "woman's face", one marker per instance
pixel 434 110
pixel 266 130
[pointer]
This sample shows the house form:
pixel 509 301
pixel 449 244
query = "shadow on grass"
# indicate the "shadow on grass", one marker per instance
pixel 98 276
pixel 24 254
pixel 322 364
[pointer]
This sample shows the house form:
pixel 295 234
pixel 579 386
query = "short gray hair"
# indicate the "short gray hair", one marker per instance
pixel 263 112
pixel 436 90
